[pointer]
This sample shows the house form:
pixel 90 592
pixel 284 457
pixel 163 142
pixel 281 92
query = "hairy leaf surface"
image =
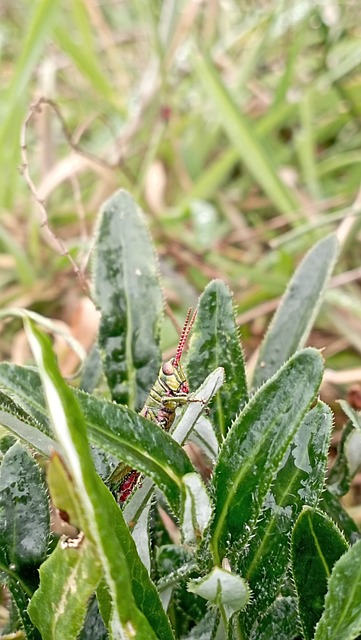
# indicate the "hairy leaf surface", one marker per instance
pixel 316 545
pixel 215 343
pixel 300 304
pixel 255 445
pixel 299 482
pixel 128 295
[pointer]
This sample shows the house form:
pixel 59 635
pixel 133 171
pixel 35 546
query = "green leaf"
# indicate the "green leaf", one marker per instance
pixel 109 426
pixel 255 445
pixel 182 429
pixel 24 426
pixel 280 621
pixel 331 505
pixel 348 460
pixel 139 442
pixel 63 491
pixel 223 588
pixel 196 508
pixel 128 294
pixel 24 386
pixel 295 316
pixel 353 416
pixel 175 565
pixel 67 580
pixel 243 137
pixel 299 482
pixel 341 619
pixel 215 342
pixel 135 603
pixel 24 528
pixel 204 437
pixel 316 545
pixel 24 514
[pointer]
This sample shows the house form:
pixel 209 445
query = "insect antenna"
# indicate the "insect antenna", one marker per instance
pixel 188 324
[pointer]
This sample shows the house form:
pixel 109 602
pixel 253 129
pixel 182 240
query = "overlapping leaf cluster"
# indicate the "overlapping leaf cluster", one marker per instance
pixel 260 555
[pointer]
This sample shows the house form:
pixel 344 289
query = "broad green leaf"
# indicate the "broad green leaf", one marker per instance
pixel 136 607
pixel 24 426
pixel 299 482
pixel 295 316
pixel 24 386
pixel 196 508
pixel 243 137
pixel 24 528
pixel 348 460
pixel 254 448
pixel 141 443
pixel 128 295
pixel 215 342
pixel 331 505
pixel 24 514
pixel 67 580
pixel 223 588
pixel 63 492
pixel 341 619
pixel 280 621
pixel 177 564
pixel 109 426
pixel 316 545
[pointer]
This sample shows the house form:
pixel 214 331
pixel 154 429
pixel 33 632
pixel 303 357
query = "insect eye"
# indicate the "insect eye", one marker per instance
pixel 168 368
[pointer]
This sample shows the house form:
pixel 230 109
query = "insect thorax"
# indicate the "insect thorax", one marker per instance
pixel 168 392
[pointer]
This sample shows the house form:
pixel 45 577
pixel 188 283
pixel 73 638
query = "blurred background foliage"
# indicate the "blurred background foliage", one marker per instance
pixel 235 124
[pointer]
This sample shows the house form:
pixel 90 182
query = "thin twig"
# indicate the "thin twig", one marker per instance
pixel 70 138
pixel 34 109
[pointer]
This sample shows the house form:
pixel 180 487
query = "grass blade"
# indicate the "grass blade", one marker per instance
pixel 242 135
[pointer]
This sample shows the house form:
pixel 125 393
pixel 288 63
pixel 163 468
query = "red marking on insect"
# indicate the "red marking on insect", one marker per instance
pixel 188 324
pixel 129 483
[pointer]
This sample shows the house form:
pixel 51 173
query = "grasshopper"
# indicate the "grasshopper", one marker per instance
pixel 169 392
